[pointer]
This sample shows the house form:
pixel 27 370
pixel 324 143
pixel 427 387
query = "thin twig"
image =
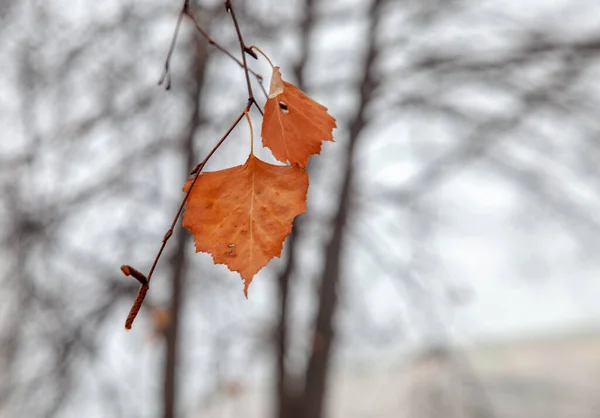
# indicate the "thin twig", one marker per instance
pixel 245 50
pixel 186 11
pixel 139 300
pixel 212 42
pixel 166 75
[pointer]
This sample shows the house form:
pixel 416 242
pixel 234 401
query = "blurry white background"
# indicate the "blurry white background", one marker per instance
pixel 456 213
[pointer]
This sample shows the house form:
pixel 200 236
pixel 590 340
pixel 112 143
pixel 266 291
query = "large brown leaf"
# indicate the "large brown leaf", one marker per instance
pixel 241 215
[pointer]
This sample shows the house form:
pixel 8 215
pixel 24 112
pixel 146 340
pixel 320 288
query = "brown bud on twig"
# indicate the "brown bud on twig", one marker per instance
pixel 130 271
pixel 250 52
pixel 196 169
pixel 137 304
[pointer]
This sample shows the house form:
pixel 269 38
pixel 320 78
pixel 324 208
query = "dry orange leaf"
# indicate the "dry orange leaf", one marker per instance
pixel 241 215
pixel 294 125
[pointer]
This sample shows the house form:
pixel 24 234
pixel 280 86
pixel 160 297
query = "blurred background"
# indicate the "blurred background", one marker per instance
pixel 446 266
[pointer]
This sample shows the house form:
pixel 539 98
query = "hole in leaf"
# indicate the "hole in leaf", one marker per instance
pixel 283 106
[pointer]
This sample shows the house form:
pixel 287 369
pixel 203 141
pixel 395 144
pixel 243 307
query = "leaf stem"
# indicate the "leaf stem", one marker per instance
pixel 252 47
pixel 251 133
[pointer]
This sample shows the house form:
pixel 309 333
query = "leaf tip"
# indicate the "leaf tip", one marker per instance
pixel 276 86
pixel 246 286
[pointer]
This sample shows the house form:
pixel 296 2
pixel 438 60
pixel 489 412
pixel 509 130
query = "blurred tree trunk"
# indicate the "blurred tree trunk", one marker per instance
pixel 319 362
pixel 287 388
pixel 178 261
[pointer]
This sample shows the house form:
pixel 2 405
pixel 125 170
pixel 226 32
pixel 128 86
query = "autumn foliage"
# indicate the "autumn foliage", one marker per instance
pixel 294 125
pixel 242 215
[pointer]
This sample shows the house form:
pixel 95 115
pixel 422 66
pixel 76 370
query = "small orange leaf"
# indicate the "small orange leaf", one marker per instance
pixel 241 215
pixel 294 125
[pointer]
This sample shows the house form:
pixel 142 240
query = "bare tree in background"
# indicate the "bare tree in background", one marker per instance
pixel 96 137
pixel 93 156
pixel 536 72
